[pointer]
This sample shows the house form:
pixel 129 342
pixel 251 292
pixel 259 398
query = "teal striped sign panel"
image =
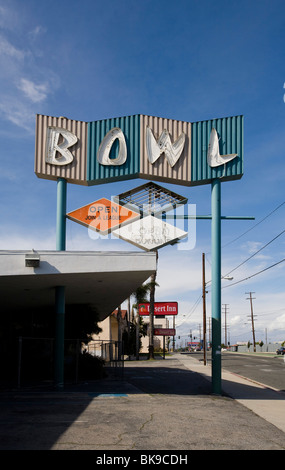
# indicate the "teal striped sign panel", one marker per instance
pixel 139 146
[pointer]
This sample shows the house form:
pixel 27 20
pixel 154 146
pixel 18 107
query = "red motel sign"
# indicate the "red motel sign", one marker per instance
pixel 160 308
pixel 164 332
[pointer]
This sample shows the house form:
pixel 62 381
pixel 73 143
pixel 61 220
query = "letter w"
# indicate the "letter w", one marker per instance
pixel 164 145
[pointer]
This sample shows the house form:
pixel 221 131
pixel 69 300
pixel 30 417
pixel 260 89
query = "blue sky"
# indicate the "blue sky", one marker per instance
pixel 187 60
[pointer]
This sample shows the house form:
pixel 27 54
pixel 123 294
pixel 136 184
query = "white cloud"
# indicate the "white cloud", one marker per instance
pixel 251 246
pixel 9 17
pixel 35 93
pixel 236 320
pixel 34 33
pixel 277 323
pixel 25 241
pixel 25 83
pixel 7 49
pixel 179 273
pixel 18 113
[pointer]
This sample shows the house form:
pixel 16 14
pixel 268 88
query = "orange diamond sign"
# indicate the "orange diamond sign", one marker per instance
pixel 103 216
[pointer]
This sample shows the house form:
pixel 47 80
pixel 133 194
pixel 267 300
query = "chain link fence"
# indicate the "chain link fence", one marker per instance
pixel 34 360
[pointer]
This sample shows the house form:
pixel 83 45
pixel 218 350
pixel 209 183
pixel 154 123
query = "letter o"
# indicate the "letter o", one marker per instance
pixel 106 145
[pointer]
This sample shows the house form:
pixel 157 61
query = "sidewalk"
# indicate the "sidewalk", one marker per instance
pixel 160 405
pixel 266 402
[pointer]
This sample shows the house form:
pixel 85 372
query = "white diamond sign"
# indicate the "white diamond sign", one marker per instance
pixel 150 233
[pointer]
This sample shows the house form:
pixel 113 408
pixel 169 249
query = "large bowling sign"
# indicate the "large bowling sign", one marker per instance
pixel 139 146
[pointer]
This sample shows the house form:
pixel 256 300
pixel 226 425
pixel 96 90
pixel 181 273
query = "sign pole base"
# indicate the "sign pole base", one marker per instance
pixel 216 287
pixel 60 290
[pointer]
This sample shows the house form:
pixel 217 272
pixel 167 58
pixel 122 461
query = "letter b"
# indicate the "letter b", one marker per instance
pixel 53 146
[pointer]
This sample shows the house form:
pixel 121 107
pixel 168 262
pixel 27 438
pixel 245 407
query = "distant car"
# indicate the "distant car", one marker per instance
pixel 280 351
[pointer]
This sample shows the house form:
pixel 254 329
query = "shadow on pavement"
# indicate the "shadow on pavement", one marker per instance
pixel 95 414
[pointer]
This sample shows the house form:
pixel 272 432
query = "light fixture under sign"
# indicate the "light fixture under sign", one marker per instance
pixel 32 260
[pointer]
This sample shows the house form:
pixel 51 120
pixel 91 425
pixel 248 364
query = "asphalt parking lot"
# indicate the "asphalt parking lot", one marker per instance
pixel 160 405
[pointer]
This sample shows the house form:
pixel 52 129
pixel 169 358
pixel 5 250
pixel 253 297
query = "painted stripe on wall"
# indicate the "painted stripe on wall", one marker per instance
pixel 161 170
pixel 96 133
pixel 230 132
pixel 74 172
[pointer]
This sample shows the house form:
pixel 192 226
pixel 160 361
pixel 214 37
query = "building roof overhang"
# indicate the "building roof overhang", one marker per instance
pixel 102 280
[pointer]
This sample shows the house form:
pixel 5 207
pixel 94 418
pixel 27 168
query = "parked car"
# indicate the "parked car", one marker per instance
pixel 280 351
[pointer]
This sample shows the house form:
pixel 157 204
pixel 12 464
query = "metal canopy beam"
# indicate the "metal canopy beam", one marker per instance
pixel 207 217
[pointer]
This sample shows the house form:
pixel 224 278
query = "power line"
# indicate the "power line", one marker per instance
pixel 262 220
pixel 270 312
pixel 258 251
pixel 258 223
pixel 259 272
pixel 192 310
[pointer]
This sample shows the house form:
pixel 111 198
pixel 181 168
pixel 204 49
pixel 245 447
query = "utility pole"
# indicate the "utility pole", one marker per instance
pixel 210 341
pixel 173 339
pixel 200 334
pixel 204 308
pixel 226 327
pixel 252 319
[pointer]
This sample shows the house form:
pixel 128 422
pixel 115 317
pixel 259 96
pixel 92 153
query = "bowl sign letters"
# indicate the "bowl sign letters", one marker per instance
pixel 139 146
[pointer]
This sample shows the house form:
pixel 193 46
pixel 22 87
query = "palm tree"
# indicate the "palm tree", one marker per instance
pixel 152 284
pixel 140 296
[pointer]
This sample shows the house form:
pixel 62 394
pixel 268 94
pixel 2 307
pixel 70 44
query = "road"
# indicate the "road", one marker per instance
pixel 268 370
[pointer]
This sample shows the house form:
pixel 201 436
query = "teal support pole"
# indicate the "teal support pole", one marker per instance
pixel 61 215
pixel 59 336
pixel 60 290
pixel 216 287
